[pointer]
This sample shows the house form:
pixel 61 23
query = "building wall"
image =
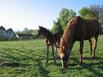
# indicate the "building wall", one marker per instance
pixel 11 34
pixel 6 34
pixel 3 34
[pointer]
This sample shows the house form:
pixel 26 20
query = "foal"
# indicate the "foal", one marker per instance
pixel 51 40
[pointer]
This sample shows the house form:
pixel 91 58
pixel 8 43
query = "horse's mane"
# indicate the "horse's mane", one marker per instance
pixel 68 29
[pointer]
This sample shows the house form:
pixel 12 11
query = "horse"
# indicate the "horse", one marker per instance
pixel 78 29
pixel 52 39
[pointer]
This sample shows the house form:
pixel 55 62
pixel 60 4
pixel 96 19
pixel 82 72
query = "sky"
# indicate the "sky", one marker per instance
pixel 20 14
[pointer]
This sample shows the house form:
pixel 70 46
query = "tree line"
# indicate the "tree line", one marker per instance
pixel 66 14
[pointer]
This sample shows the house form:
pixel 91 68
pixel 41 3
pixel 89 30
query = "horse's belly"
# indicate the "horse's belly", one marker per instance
pixel 85 37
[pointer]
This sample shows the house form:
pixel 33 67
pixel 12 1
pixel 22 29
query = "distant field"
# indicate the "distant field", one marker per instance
pixel 27 59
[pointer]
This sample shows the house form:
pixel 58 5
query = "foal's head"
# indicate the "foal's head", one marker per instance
pixel 45 32
pixel 40 30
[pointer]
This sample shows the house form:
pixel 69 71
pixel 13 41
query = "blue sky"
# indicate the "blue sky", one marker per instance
pixel 18 14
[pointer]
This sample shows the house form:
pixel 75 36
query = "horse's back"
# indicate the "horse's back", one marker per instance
pixel 87 29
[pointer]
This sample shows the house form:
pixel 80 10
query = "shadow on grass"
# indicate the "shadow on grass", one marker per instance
pixel 8 56
pixel 42 70
pixel 20 56
pixel 13 61
pixel 95 67
pixel 13 64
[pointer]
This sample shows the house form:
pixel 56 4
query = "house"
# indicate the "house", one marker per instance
pixel 11 34
pixel 3 33
pixel 6 34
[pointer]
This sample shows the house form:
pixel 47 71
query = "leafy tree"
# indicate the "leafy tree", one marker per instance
pixel 86 13
pixel 98 12
pixel 71 14
pixel 64 17
pixel 57 27
pixel 28 31
pixel 25 31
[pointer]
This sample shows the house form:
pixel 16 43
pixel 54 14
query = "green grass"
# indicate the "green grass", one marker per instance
pixel 27 59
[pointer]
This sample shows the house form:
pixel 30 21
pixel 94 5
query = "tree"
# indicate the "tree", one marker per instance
pixel 25 31
pixel 57 27
pixel 28 31
pixel 71 14
pixel 86 13
pixel 98 12
pixel 64 17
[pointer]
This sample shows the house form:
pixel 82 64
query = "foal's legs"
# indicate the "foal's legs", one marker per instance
pixel 47 51
pixel 54 54
pixel 81 51
pixel 56 47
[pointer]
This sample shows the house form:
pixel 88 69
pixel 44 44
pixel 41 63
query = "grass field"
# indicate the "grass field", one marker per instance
pixel 27 59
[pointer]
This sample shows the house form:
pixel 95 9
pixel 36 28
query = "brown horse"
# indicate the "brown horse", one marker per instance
pixel 78 29
pixel 52 39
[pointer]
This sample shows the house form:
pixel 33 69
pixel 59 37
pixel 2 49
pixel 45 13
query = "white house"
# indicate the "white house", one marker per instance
pixel 10 33
pixel 6 34
pixel 3 33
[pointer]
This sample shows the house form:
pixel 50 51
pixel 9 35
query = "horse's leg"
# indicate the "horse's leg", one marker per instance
pixel 56 53
pixel 56 46
pixel 90 46
pixel 94 45
pixel 47 52
pixel 53 52
pixel 81 51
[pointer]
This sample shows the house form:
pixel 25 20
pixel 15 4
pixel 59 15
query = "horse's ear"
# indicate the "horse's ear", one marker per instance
pixel 39 26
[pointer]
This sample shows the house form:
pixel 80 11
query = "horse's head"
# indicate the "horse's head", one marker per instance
pixel 40 30
pixel 63 54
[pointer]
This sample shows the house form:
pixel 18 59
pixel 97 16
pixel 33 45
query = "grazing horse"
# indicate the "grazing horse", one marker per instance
pixel 78 29
pixel 51 39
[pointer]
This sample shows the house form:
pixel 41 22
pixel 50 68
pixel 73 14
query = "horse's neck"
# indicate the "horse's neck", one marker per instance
pixel 69 39
pixel 46 35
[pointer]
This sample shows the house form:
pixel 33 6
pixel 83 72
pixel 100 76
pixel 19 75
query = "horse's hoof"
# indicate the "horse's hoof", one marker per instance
pixel 93 58
pixel 46 63
pixel 91 54
pixel 63 70
pixel 55 63
pixel 80 64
